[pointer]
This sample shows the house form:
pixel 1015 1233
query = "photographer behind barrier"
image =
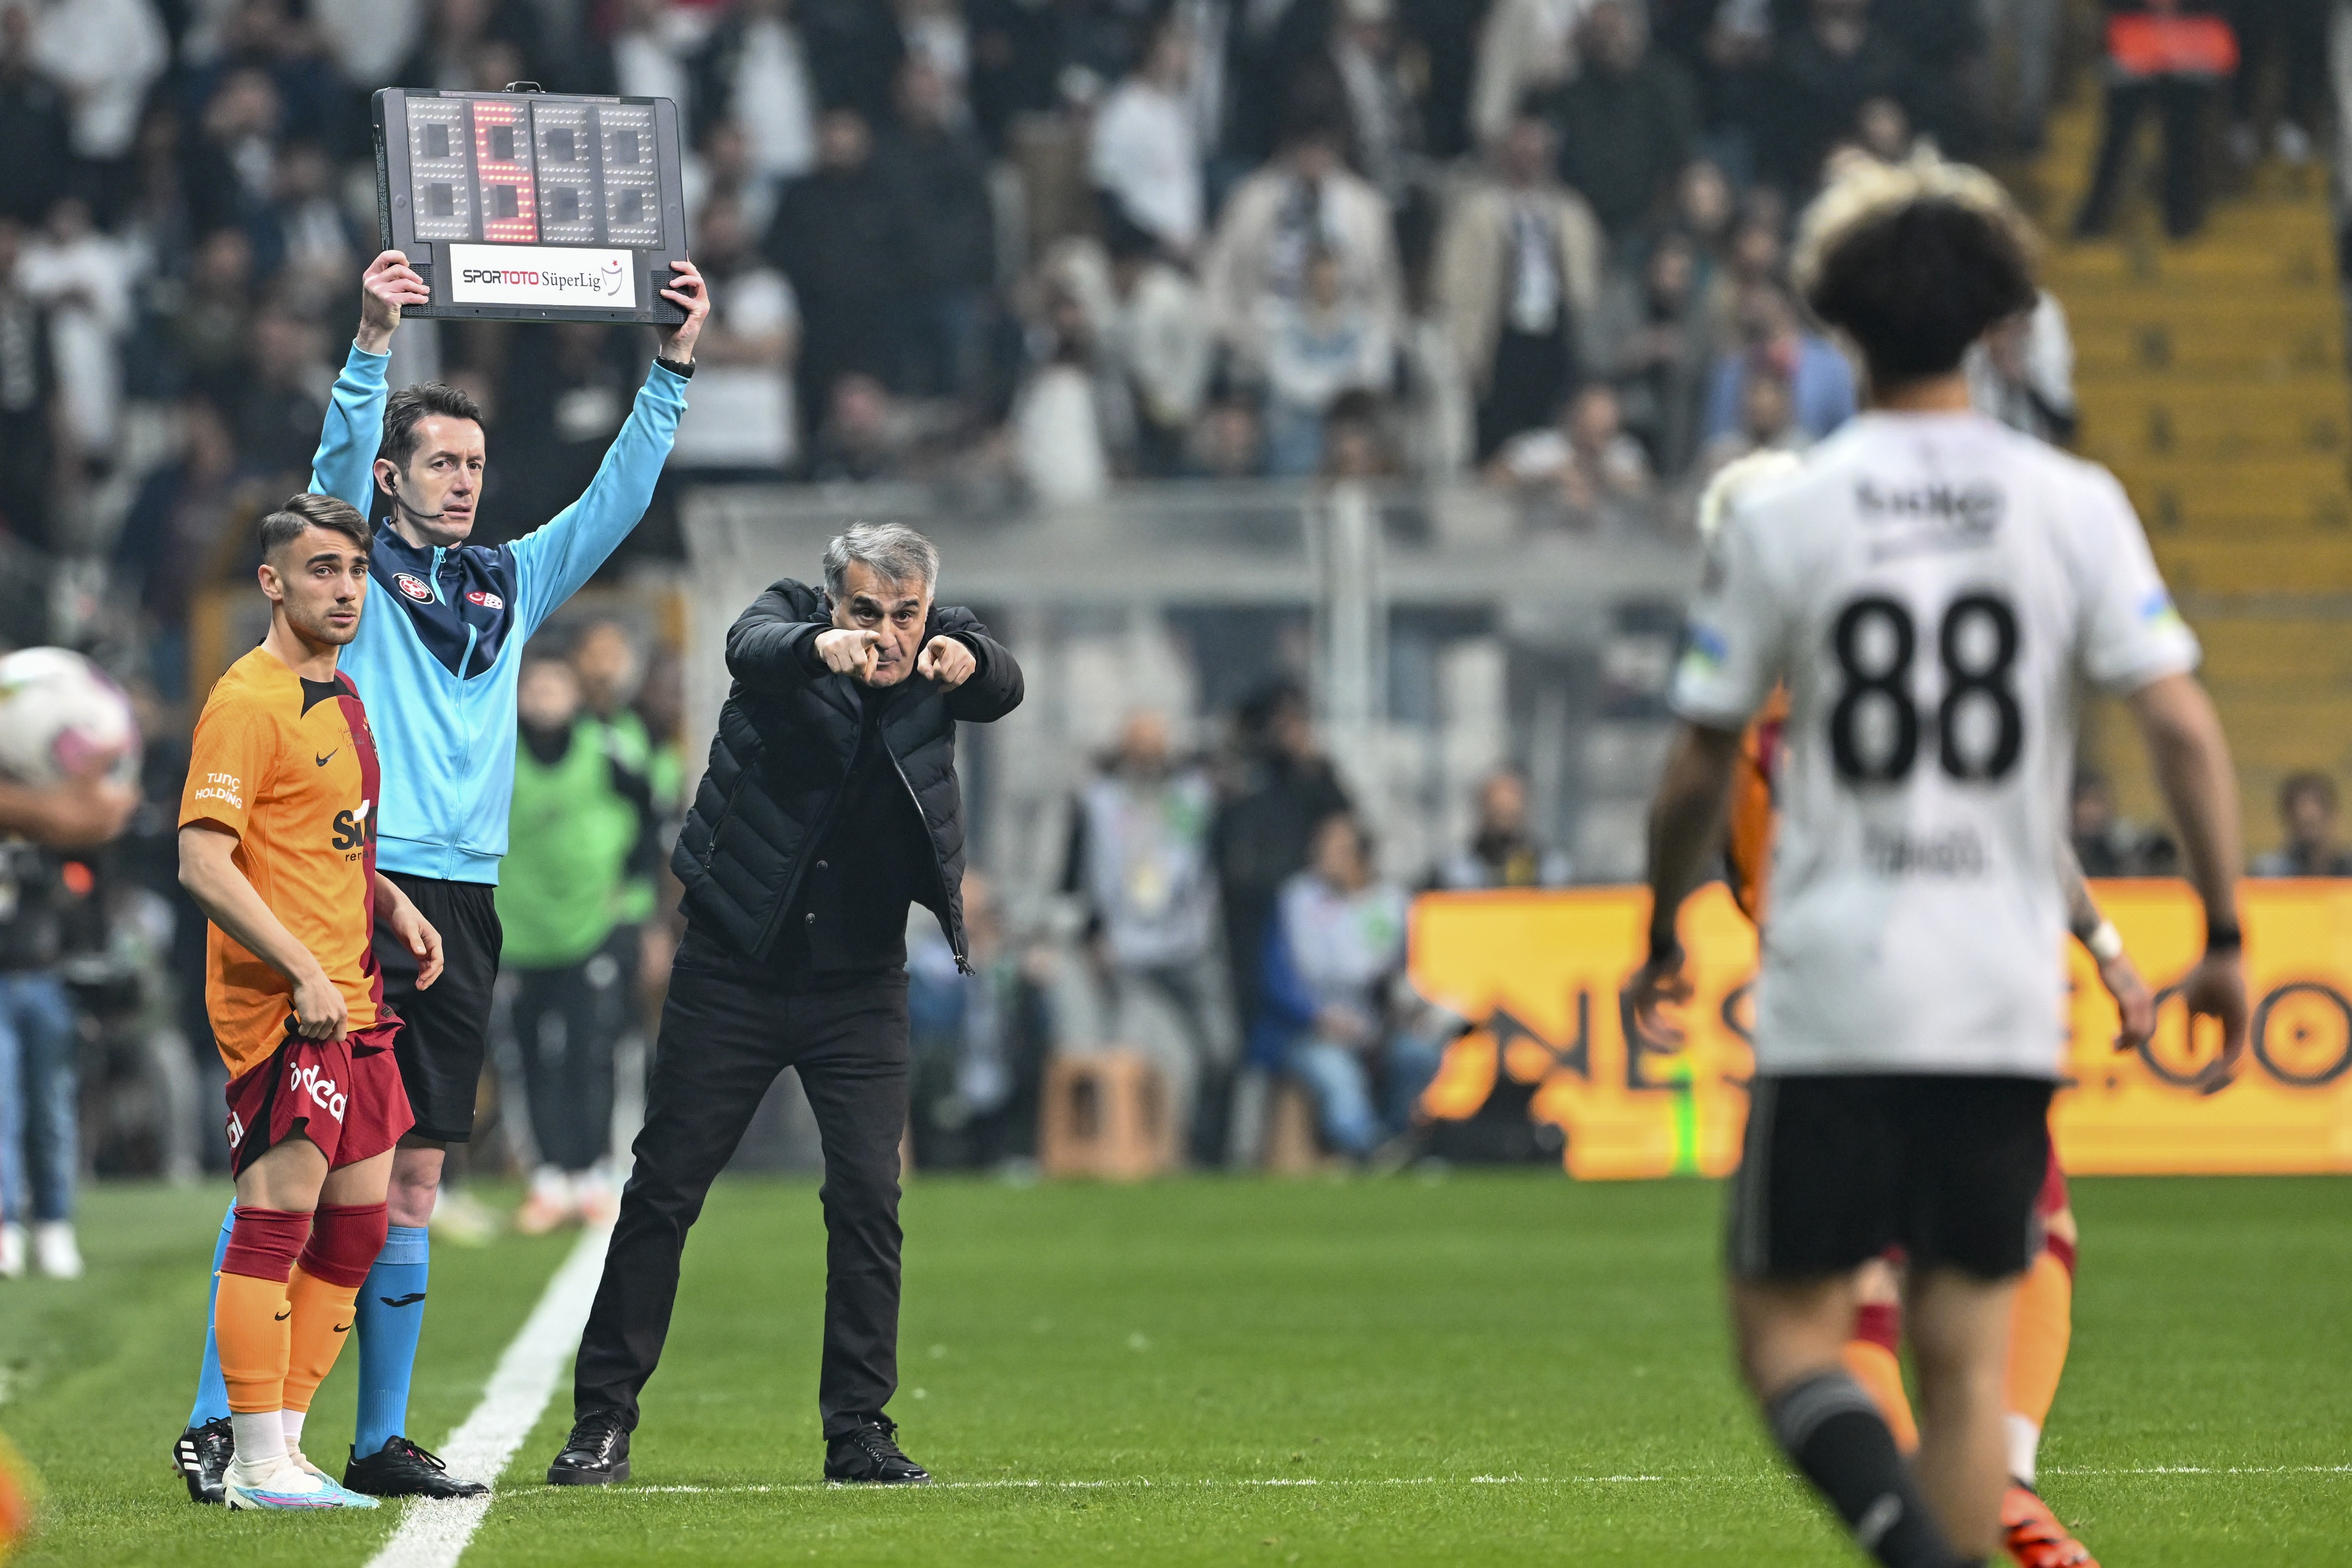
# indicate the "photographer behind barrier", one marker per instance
pixel 830 805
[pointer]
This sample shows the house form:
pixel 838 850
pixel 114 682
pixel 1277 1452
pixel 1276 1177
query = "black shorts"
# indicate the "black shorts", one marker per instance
pixel 440 1051
pixel 1838 1167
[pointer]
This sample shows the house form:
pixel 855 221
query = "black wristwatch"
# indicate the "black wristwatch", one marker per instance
pixel 684 373
pixel 2226 939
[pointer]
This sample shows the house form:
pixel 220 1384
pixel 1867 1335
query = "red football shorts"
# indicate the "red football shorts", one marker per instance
pixel 345 1097
pixel 2053 1199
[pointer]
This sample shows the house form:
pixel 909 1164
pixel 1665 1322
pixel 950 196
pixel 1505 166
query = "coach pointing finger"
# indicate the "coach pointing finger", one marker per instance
pixel 831 805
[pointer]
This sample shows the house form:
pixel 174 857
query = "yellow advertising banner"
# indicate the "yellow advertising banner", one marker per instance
pixel 1542 973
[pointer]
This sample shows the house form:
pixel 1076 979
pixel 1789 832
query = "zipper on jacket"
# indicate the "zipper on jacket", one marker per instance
pixel 954 928
pixel 710 851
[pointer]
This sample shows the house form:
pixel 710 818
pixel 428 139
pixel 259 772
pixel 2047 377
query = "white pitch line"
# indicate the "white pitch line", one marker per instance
pixel 2204 1470
pixel 435 1534
pixel 1144 1481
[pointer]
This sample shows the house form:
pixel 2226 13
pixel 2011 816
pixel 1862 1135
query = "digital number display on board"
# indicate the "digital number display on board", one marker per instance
pixel 533 206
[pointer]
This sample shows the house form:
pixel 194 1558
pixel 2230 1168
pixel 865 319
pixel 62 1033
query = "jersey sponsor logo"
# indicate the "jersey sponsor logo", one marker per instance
pixel 225 788
pixel 235 1130
pixel 353 827
pixel 322 761
pixel 1922 518
pixel 486 600
pixel 305 1079
pixel 415 587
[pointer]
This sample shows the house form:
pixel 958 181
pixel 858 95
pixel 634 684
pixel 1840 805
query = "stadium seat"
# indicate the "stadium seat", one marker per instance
pixel 1106 1115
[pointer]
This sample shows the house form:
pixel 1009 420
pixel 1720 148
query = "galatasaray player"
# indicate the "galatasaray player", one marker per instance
pixel 439 658
pixel 277 848
pixel 1929 587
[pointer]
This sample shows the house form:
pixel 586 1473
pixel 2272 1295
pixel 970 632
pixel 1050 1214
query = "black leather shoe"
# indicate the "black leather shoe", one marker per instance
pixel 596 1454
pixel 201 1454
pixel 401 1468
pixel 870 1455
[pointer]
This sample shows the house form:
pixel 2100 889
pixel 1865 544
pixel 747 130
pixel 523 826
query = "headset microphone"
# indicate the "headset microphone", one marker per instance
pixel 401 502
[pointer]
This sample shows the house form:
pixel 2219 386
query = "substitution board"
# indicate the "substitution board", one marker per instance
pixel 533 206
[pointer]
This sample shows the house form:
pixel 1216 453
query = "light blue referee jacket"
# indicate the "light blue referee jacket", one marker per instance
pixel 440 644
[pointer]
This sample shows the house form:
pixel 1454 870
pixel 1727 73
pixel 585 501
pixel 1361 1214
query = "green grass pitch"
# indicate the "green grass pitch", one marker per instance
pixel 1242 1372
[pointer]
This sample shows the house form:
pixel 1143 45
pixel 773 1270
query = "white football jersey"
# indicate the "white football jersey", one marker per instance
pixel 1929 586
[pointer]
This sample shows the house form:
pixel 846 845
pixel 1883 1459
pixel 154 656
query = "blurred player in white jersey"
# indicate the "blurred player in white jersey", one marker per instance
pixel 1929 587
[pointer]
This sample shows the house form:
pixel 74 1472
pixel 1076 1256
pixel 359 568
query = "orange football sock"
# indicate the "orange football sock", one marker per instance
pixel 2040 1327
pixel 323 1320
pixel 1873 1357
pixel 249 1324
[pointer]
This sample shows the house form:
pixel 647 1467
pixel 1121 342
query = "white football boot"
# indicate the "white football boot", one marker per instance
pixel 282 1487
pixel 55 1251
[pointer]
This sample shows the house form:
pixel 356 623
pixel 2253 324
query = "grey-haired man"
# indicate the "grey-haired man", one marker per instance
pixel 830 806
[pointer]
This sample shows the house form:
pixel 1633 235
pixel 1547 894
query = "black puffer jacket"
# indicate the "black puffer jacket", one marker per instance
pixel 786 739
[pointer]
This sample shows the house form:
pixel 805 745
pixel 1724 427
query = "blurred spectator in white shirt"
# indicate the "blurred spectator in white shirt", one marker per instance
pixel 742 415
pixel 1596 473
pixel 104 53
pixel 2023 372
pixel 1058 424
pixel 1305 201
pixel 755 71
pixel 1517 275
pixel 1502 852
pixel 83 276
pixel 1316 347
pixel 1145 154
pixel 1155 335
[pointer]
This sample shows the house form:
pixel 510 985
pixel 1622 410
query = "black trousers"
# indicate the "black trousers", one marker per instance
pixel 722 1043
pixel 2181 101
pixel 1533 372
pixel 565 1020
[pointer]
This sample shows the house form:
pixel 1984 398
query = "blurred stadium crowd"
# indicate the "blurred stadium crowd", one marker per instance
pixel 1006 248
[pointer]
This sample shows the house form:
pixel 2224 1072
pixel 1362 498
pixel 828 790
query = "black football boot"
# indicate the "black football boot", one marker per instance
pixel 401 1468
pixel 869 1455
pixel 596 1454
pixel 200 1456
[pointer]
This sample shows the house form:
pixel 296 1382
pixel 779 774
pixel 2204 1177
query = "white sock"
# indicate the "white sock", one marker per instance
pixel 291 1421
pixel 260 1439
pixel 2025 1447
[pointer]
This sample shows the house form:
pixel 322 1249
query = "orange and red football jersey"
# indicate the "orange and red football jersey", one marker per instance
pixel 289 766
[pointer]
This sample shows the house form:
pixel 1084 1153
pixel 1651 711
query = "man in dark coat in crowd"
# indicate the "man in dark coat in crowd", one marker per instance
pixel 1286 791
pixel 830 806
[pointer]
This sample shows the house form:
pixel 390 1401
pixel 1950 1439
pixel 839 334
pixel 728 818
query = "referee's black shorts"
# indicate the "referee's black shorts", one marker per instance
pixel 440 1051
pixel 1837 1168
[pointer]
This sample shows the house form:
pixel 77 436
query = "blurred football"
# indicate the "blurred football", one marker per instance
pixel 60 717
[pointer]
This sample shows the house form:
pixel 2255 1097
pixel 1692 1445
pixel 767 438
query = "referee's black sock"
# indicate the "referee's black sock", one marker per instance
pixel 1828 1425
